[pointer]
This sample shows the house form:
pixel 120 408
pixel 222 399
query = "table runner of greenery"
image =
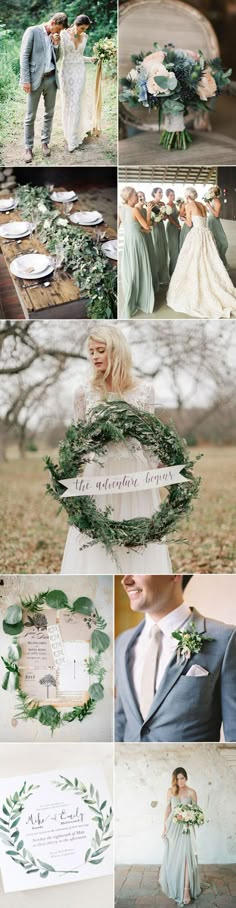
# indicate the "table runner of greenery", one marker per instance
pixel 83 258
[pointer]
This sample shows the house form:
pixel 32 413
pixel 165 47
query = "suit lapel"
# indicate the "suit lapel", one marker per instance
pixel 130 692
pixel 174 670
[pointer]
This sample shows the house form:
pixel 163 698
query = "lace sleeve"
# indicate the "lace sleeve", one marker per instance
pixel 145 396
pixel 86 59
pixel 79 404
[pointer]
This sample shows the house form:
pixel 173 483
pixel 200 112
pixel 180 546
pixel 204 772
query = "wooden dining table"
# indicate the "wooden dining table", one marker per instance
pixel 33 296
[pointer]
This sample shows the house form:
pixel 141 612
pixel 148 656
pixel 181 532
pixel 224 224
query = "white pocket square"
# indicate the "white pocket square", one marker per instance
pixel 196 671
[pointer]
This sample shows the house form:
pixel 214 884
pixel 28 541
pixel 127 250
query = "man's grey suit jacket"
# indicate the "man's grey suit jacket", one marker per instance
pixel 33 57
pixel 184 708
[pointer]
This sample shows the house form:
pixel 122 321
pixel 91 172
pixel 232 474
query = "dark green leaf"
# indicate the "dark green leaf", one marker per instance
pixel 43 875
pixel 96 691
pixel 83 605
pixel 97 861
pixel 87 854
pixel 56 599
pixel 99 641
pixel 46 866
pixel 11 629
pixel 103 805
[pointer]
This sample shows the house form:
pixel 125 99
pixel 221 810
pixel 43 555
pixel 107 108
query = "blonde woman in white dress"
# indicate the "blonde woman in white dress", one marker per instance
pixel 112 377
pixel 200 285
pixel 76 119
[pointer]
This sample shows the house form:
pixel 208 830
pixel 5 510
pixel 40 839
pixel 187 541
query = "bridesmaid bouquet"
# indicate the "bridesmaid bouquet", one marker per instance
pixel 188 815
pixel 158 214
pixel 209 195
pixel 172 80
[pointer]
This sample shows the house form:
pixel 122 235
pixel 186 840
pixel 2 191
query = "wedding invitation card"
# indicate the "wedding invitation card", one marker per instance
pixel 55 654
pixel 55 828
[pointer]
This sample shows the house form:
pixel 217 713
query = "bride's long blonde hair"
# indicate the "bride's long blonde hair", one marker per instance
pixel 119 360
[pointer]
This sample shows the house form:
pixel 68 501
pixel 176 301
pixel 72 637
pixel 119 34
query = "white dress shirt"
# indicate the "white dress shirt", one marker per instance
pixel 171 622
pixel 49 62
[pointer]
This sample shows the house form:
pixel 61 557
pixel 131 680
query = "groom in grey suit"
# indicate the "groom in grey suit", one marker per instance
pixel 164 695
pixel 38 61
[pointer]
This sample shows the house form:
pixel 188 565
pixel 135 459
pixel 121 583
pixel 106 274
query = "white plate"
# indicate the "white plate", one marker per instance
pixel 29 277
pixel 34 261
pixel 15 229
pixel 110 249
pixel 63 196
pixel 7 204
pixel 88 217
pixel 77 218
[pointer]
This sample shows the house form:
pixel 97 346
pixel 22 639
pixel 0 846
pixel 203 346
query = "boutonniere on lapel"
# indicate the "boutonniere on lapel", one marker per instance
pixel 190 642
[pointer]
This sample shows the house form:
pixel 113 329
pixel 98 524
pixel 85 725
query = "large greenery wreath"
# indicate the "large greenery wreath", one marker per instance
pixel 32 609
pixel 82 254
pixel 10 833
pixel 118 421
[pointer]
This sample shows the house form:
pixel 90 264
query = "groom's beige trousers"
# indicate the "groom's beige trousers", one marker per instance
pixel 48 89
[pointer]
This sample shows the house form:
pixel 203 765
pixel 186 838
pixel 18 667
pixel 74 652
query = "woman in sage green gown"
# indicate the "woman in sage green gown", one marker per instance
pixel 136 274
pixel 179 874
pixel 172 231
pixel 215 226
pixel 150 248
pixel 159 240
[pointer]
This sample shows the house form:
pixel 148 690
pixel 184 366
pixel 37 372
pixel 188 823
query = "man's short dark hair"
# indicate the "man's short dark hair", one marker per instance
pixel 60 19
pixel 185 580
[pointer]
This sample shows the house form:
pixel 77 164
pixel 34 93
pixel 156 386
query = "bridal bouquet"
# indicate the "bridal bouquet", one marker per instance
pixel 172 80
pixel 188 815
pixel 104 51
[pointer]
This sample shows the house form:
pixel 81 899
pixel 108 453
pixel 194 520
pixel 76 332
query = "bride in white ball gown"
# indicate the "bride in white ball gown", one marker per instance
pixel 112 377
pixel 76 119
pixel 200 285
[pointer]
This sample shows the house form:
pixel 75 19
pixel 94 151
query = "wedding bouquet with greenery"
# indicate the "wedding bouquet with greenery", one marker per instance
pixel 172 80
pixel 188 815
pixel 105 51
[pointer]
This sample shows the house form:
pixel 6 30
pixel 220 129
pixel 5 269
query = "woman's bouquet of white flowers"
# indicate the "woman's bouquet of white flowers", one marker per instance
pixel 172 80
pixel 209 195
pixel 159 213
pixel 188 815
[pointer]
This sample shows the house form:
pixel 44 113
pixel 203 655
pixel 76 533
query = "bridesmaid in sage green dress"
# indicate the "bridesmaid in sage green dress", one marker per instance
pixel 136 275
pixel 215 226
pixel 172 231
pixel 179 874
pixel 149 243
pixel 159 240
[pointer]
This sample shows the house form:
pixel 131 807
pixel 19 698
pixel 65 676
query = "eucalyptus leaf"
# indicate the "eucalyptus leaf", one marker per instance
pixel 83 605
pixel 96 691
pixel 56 599
pixel 14 652
pixel 99 641
pixel 11 629
pixel 13 614
pixel 45 866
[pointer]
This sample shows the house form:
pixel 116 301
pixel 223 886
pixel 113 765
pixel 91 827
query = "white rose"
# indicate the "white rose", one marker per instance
pixel 62 222
pixel 133 75
pixel 42 208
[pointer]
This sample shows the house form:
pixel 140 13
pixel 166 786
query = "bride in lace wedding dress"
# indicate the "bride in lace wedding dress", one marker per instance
pixel 76 120
pixel 200 285
pixel 112 378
